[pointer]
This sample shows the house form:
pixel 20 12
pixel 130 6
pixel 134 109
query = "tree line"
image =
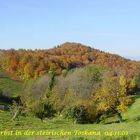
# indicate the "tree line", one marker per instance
pixel 27 64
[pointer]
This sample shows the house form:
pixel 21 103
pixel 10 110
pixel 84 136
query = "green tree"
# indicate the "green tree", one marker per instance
pixel 132 86
pixel 138 81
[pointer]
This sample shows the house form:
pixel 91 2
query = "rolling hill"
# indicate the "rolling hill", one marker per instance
pixel 27 64
pixel 20 66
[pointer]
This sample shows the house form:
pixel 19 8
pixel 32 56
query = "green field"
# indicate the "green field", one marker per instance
pixel 59 124
pixel 133 113
pixel 10 86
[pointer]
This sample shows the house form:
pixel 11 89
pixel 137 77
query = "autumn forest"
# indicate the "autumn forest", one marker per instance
pixel 71 81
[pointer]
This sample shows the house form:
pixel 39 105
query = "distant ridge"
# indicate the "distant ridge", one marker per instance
pixel 65 56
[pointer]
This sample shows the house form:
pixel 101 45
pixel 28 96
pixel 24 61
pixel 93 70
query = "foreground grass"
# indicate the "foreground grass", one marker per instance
pixel 58 124
pixel 133 113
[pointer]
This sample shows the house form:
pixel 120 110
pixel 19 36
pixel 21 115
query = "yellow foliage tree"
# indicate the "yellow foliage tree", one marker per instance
pixel 112 96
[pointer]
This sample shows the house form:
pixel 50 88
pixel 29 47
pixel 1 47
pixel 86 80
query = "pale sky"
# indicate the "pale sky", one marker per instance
pixel 109 25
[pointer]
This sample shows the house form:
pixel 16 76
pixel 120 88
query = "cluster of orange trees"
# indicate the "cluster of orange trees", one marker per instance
pixel 27 64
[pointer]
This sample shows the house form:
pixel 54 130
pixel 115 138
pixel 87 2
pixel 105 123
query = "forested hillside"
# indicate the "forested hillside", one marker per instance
pixel 26 64
pixel 70 83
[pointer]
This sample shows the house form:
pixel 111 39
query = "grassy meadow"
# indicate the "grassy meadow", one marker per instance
pixel 132 126
pixel 10 86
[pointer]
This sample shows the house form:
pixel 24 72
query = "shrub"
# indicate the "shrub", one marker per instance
pixel 78 114
pixel 44 110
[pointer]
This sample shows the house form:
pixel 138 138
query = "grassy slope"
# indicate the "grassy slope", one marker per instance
pixel 25 123
pixel 10 86
pixel 133 113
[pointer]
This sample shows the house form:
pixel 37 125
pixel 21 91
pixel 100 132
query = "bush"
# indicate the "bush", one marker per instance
pixel 109 118
pixel 78 114
pixel 45 110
